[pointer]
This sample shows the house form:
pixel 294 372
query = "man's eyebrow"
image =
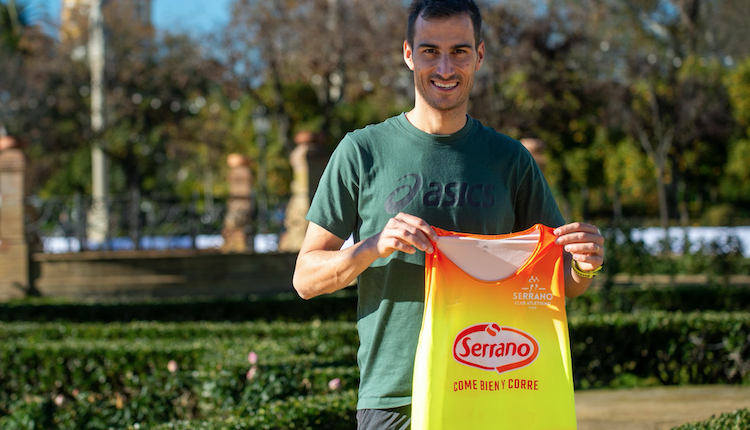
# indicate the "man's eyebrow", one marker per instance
pixel 459 46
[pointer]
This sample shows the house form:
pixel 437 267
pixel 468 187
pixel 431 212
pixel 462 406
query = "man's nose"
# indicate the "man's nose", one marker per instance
pixel 445 66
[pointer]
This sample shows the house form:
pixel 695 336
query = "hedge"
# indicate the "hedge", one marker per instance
pixel 345 332
pixel 333 414
pixel 322 412
pixel 124 369
pixel 669 348
pixel 330 411
pixel 110 367
pixel 131 362
pixel 666 298
pixel 285 307
pixel 343 306
pixel 134 383
pixel 736 420
pixel 334 411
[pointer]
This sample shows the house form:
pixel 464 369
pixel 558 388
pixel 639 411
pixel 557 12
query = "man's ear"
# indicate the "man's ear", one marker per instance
pixel 408 55
pixel 480 55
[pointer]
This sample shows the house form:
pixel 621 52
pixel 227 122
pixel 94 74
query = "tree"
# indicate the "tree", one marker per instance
pixel 14 19
pixel 536 83
pixel 677 107
pixel 736 183
pixel 152 85
pixel 24 50
pixel 655 131
pixel 270 46
pixel 616 89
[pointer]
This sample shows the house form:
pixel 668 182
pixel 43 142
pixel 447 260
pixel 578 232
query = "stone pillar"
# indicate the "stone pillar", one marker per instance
pixel 239 206
pixel 537 148
pixel 308 161
pixel 14 248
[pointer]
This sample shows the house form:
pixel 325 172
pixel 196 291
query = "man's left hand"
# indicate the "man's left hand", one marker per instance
pixel 584 242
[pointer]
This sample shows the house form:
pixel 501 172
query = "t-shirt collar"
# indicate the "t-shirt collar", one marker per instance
pixel 436 138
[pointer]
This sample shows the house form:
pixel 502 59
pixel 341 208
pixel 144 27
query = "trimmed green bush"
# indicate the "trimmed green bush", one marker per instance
pixel 333 410
pixel 669 348
pixel 667 298
pixel 342 307
pixel 736 420
pixel 55 374
pixel 183 370
pixel 287 307
pixel 125 367
pixel 346 332
pixel 323 412
pixel 133 381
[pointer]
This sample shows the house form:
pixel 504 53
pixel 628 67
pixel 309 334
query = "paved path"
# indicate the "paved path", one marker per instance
pixel 660 408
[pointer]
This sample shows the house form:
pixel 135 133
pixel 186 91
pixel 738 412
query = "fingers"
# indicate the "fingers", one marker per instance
pixel 577 227
pixel 406 233
pixel 419 223
pixel 579 233
pixel 584 242
pixel 588 262
pixel 589 248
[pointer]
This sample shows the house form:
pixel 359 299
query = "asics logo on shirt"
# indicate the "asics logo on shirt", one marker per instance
pixel 439 194
pixel 393 207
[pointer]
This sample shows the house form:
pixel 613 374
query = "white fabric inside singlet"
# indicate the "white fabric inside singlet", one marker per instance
pixel 489 260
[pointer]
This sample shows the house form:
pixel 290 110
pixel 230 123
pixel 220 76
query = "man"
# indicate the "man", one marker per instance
pixel 388 183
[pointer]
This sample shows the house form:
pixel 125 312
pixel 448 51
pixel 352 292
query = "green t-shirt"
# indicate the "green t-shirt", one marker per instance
pixel 475 181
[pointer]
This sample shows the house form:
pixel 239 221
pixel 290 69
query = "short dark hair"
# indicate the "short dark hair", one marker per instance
pixel 441 9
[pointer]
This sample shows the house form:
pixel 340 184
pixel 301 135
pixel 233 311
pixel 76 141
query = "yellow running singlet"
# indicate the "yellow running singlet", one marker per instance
pixel 494 351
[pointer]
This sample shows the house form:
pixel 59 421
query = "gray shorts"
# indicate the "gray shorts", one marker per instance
pixel 384 419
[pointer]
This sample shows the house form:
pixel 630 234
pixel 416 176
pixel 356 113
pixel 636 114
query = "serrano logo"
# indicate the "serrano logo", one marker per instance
pixel 534 292
pixel 491 347
pixel 392 206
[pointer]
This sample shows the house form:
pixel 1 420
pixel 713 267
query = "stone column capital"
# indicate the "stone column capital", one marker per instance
pixel 12 160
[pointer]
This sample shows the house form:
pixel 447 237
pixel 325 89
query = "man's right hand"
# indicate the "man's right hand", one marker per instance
pixel 405 233
pixel 323 267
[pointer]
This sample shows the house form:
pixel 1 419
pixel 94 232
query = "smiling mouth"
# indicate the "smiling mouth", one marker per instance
pixel 445 86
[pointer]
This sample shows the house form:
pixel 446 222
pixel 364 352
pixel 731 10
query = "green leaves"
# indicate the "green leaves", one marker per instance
pixel 340 307
pixel 287 374
pixel 660 348
pixel 738 86
pixel 120 374
pixel 735 420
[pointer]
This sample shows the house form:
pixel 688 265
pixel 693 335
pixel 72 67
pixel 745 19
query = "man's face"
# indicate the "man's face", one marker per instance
pixel 444 60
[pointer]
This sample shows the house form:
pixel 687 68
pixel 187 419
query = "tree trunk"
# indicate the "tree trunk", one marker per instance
pixel 661 188
pixel 616 204
pixel 585 203
pixel 682 202
pixel 663 135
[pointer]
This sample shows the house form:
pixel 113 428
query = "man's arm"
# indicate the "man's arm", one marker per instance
pixel 323 267
pixel 584 244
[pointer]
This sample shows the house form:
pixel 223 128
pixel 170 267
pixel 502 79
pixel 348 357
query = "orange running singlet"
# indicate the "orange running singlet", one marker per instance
pixel 494 351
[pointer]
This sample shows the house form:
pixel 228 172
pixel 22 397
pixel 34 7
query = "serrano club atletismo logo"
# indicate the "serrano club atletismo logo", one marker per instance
pixel 491 347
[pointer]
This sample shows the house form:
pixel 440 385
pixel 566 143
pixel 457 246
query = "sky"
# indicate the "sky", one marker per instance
pixel 191 16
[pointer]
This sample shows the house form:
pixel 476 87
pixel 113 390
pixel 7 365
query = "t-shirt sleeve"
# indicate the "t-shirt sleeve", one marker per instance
pixel 535 203
pixel 334 205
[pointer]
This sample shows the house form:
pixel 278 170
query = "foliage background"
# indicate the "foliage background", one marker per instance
pixel 643 104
